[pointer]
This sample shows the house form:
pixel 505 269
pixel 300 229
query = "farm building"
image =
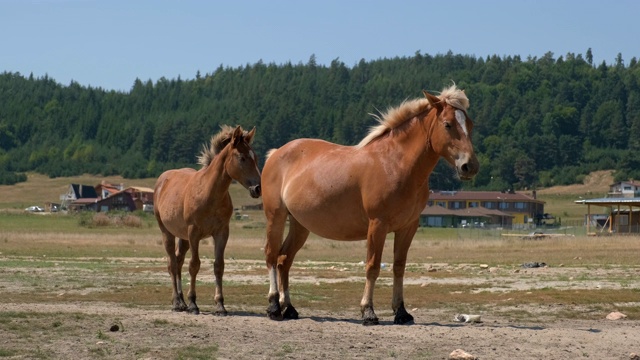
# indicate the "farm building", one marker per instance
pixel 480 208
pixel 107 197
pixel 623 210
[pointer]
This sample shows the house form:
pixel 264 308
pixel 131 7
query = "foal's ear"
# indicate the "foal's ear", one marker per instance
pixel 249 137
pixel 433 101
pixel 236 137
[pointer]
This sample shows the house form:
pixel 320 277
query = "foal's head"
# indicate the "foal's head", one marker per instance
pixel 241 162
pixel 451 131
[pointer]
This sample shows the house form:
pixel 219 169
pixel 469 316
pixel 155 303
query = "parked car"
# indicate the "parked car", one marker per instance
pixel 34 209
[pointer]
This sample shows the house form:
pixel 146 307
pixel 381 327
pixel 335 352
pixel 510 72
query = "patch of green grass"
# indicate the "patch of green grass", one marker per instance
pixel 193 352
pixel 7 352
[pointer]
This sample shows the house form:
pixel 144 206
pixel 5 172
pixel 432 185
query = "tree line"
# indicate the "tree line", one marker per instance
pixel 538 121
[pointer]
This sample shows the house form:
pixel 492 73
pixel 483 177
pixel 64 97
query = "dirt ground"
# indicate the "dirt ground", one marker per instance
pixel 83 329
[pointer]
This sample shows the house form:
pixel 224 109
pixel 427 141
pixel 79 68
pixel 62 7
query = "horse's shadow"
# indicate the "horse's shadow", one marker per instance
pixel 331 319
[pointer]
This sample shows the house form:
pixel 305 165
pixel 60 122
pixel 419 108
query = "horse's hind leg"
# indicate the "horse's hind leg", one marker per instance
pixel 296 238
pixel 169 242
pixel 276 218
pixel 181 251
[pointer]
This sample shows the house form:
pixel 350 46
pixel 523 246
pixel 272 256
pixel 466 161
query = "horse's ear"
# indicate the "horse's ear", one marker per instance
pixel 249 137
pixel 236 137
pixel 433 101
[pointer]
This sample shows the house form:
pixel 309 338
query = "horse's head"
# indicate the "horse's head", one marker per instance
pixel 450 134
pixel 242 164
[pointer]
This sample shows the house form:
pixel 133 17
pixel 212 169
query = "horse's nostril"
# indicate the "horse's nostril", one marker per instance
pixel 465 168
pixel 258 190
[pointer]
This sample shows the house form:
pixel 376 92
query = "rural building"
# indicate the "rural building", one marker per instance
pixel 107 197
pixel 624 189
pixel 482 208
pixel 77 196
pixel 623 210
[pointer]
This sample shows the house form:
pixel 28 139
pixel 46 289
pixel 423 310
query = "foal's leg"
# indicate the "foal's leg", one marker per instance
pixel 169 242
pixel 296 238
pixel 194 268
pixel 181 251
pixel 220 242
pixel 401 243
pixel 275 229
pixel 375 244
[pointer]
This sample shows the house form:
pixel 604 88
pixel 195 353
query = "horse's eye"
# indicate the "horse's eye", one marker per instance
pixel 447 125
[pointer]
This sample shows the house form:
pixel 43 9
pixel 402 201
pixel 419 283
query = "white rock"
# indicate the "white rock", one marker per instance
pixel 616 316
pixel 459 354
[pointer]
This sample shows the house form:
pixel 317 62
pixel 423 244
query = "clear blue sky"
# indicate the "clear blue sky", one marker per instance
pixel 110 43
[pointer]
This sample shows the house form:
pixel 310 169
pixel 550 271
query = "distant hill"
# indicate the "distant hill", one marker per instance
pixel 596 184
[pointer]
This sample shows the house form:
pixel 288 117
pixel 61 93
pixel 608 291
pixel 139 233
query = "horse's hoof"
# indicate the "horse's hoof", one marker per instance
pixel 274 311
pixel 402 316
pixel 290 313
pixel 406 319
pixel 221 312
pixel 179 308
pixel 194 310
pixel 370 321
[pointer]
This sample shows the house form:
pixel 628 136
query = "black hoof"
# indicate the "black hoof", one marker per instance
pixel 179 307
pixel 274 312
pixel 221 313
pixel 404 319
pixel 290 313
pixel 275 316
pixel 370 321
pixel 194 311
pixel 402 316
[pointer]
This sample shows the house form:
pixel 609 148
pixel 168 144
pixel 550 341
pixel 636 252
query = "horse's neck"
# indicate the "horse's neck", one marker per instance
pixel 418 157
pixel 214 177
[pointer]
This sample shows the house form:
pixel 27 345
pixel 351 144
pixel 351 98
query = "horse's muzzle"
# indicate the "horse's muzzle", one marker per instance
pixel 255 191
pixel 468 169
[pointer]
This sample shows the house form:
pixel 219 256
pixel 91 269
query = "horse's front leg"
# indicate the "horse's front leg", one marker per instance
pixel 401 243
pixel 194 268
pixel 220 243
pixel 375 244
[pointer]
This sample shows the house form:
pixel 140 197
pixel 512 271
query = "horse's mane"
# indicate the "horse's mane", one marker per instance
pixel 394 117
pixel 217 143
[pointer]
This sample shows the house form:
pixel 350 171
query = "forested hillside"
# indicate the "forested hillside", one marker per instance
pixel 538 121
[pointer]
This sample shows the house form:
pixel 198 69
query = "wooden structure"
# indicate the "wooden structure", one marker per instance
pixel 624 214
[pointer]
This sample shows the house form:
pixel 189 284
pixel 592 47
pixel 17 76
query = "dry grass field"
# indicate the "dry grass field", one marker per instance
pixel 72 289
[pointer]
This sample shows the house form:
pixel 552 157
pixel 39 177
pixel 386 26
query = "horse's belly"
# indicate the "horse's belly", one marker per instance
pixel 333 224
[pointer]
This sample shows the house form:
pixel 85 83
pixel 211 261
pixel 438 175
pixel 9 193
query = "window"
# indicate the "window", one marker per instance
pixel 520 205
pixel 504 205
pixel 442 203
pixel 456 205
pixel 473 204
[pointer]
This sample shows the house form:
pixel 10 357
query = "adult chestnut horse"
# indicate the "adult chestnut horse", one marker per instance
pixel 192 205
pixel 363 192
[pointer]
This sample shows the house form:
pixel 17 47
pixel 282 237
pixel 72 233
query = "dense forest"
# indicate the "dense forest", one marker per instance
pixel 538 121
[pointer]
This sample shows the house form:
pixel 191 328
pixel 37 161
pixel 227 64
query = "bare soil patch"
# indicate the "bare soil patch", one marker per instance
pixel 67 308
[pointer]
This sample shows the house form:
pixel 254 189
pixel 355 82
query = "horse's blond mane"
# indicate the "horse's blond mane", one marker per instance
pixel 394 117
pixel 217 143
